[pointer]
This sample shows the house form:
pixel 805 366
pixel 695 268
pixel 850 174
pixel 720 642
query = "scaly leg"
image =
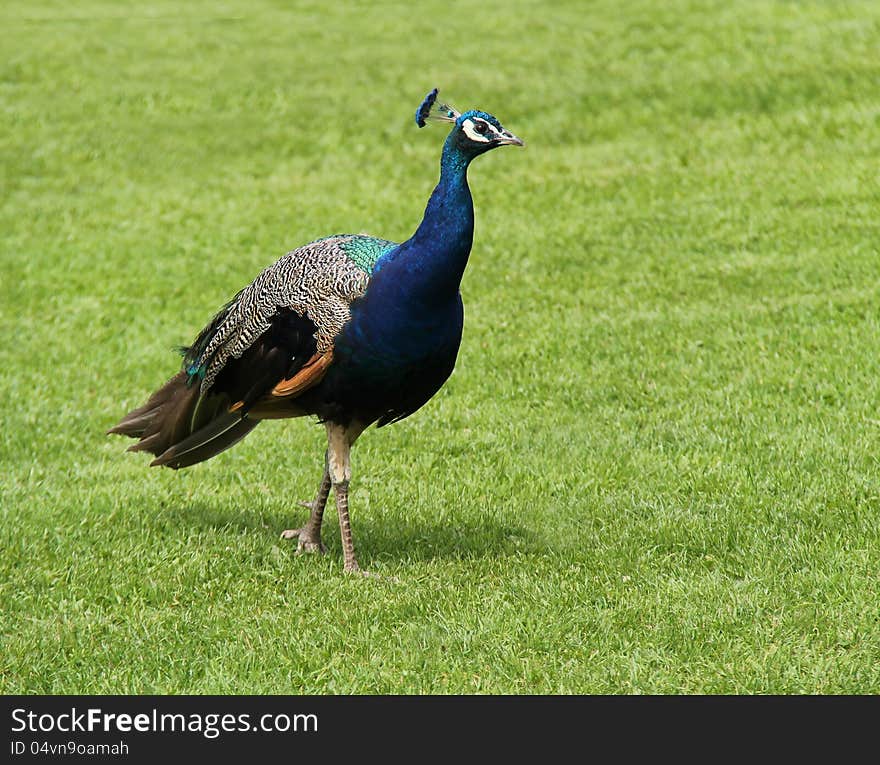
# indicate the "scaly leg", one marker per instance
pixel 310 535
pixel 339 441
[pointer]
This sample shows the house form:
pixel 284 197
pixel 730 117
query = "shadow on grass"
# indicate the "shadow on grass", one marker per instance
pixel 409 540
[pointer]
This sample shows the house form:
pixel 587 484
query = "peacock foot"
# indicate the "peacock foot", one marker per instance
pixel 309 540
pixel 356 570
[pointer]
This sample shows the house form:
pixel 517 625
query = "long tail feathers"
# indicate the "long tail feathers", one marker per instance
pixel 212 439
pixel 182 428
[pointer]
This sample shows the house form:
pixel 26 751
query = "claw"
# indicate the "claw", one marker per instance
pixel 355 569
pixel 308 541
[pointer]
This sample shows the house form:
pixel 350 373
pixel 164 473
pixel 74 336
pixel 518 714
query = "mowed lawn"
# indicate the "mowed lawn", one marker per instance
pixel 655 468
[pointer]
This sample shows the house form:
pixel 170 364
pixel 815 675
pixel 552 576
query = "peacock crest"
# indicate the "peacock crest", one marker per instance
pixel 431 109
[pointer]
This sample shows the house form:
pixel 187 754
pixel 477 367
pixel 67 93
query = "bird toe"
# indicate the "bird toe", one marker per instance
pixel 308 541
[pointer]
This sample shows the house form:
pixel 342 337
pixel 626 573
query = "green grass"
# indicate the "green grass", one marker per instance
pixel 655 469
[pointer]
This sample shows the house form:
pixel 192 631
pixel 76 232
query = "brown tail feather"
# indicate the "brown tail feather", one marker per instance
pixel 142 422
pixel 217 436
pixel 176 414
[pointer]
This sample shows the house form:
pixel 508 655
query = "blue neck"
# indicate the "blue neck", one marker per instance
pixel 448 223
pixel 433 259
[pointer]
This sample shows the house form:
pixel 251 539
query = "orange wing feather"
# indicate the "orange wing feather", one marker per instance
pixel 311 374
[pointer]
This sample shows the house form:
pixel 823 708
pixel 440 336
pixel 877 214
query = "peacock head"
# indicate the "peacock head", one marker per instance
pixel 473 132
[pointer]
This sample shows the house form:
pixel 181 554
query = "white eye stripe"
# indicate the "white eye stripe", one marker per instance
pixel 469 128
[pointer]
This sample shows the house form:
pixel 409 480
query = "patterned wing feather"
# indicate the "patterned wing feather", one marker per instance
pixel 318 281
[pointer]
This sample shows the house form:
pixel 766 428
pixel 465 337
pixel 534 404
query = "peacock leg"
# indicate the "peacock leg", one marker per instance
pixel 309 536
pixel 339 441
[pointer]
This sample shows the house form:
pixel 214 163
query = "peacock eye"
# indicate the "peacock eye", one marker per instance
pixel 481 127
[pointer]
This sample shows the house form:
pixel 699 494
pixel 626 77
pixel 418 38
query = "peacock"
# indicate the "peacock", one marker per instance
pixel 352 329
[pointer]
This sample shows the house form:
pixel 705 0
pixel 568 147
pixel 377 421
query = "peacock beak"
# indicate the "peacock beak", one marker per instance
pixel 509 138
